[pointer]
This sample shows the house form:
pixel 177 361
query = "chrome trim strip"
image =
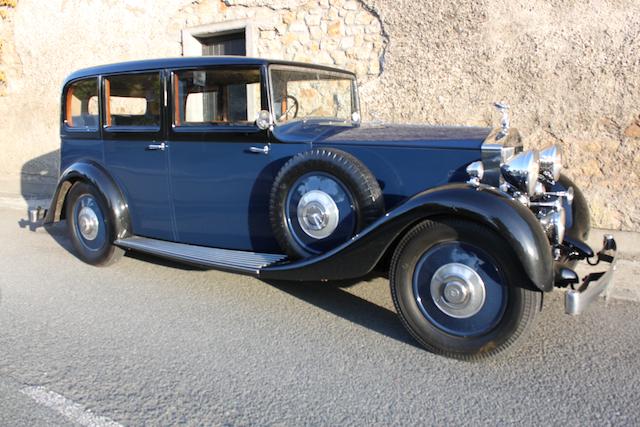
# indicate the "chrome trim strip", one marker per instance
pixel 208 257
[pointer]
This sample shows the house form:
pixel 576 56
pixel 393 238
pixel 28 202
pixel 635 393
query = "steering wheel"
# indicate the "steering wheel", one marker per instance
pixel 294 106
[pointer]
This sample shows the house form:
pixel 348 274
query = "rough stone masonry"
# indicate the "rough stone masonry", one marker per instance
pixel 570 69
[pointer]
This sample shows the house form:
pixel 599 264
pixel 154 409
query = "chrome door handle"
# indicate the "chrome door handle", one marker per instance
pixel 258 150
pixel 160 147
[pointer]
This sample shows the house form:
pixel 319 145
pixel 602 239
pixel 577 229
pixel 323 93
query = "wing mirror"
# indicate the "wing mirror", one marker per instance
pixel 264 120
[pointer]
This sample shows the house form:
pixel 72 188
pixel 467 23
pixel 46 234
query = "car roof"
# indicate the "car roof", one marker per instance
pixel 187 62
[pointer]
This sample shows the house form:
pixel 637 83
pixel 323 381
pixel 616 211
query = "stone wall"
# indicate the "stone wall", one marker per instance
pixel 6 8
pixel 570 69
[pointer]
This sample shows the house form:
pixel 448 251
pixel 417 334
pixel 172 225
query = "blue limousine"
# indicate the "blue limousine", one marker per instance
pixel 263 167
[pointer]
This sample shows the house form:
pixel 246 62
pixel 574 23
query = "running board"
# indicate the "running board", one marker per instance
pixel 227 259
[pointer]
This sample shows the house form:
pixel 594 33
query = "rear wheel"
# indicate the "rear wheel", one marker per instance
pixel 89 225
pixel 458 290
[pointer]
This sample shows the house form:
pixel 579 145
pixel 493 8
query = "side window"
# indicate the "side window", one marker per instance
pixel 216 97
pixel 133 100
pixel 81 109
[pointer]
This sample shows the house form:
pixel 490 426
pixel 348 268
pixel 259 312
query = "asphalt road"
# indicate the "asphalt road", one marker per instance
pixel 148 342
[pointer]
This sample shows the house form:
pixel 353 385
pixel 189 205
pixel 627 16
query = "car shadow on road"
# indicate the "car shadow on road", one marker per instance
pixel 58 232
pixel 330 297
pixel 333 299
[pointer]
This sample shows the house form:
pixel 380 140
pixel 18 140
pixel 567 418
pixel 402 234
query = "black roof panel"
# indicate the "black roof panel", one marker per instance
pixel 185 62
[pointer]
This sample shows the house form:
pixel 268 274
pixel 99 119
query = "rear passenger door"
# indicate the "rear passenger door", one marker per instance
pixel 136 150
pixel 221 164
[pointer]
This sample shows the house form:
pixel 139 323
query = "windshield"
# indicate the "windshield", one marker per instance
pixel 299 93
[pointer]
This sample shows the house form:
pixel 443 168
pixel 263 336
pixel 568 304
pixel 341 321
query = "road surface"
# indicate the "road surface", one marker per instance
pixel 150 342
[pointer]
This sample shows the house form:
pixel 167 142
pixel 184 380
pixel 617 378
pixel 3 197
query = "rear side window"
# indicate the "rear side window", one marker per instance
pixel 81 110
pixel 133 100
pixel 216 97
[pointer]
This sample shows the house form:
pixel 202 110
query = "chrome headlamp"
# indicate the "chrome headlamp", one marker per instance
pixel 522 171
pixel 551 162
pixel 554 224
pixel 475 171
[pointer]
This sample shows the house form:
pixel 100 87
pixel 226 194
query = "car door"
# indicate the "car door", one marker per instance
pixel 222 165
pixel 135 149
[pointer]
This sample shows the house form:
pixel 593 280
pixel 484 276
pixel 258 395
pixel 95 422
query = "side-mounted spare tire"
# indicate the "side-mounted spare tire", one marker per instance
pixel 320 199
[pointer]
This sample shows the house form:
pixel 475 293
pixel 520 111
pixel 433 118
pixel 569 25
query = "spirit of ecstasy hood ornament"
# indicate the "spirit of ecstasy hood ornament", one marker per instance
pixel 504 121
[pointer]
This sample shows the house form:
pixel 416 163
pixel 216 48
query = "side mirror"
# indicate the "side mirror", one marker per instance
pixel 264 120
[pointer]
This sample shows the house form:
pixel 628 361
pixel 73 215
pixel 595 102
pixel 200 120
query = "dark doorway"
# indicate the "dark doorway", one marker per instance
pixel 225 44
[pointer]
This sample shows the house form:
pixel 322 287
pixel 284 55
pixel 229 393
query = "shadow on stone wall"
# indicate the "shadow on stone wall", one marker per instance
pixel 38 177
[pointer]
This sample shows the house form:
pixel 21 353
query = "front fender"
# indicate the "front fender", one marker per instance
pixel 96 175
pixel 578 216
pixel 485 205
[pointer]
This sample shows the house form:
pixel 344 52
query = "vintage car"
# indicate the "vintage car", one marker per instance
pixel 262 167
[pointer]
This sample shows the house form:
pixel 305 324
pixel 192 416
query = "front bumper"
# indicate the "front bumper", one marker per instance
pixel 578 298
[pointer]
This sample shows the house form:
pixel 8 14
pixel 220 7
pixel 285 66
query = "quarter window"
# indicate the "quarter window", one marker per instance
pixel 82 105
pixel 133 100
pixel 216 97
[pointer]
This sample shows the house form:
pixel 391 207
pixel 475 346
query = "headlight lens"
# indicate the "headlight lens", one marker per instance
pixel 551 161
pixel 522 171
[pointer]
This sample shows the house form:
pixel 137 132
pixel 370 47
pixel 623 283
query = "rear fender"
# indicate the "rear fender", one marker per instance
pixel 483 204
pixel 95 175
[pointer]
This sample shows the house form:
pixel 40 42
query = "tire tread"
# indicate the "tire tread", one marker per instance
pixel 531 306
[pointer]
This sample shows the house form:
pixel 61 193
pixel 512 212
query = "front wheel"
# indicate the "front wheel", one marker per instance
pixel 458 290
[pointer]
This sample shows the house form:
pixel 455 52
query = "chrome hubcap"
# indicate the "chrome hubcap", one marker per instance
pixel 88 223
pixel 318 214
pixel 457 290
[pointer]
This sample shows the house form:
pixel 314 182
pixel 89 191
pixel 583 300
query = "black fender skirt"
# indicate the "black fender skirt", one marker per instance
pixel 97 176
pixel 483 204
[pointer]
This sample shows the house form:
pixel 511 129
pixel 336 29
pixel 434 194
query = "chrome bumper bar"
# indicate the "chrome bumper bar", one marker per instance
pixel 593 285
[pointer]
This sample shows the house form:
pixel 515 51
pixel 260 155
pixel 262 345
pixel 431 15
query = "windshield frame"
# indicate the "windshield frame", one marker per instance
pixel 355 107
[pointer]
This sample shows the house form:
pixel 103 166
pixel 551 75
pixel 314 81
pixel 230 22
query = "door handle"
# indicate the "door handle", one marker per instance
pixel 259 150
pixel 153 147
